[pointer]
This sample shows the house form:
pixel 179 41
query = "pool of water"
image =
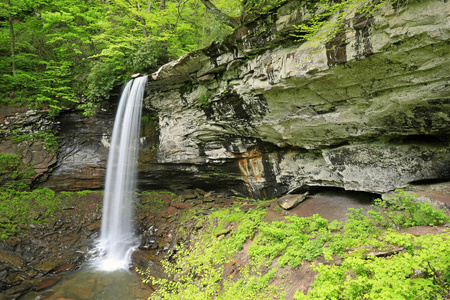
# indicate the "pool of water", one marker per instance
pixel 89 283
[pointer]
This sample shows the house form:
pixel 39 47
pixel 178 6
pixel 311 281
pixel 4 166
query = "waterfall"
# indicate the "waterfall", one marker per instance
pixel 117 239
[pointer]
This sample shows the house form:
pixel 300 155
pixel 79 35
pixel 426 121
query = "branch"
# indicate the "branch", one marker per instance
pixel 224 18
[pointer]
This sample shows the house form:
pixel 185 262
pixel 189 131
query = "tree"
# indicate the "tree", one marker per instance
pixel 12 12
pixel 224 18
pixel 12 38
pixel 56 53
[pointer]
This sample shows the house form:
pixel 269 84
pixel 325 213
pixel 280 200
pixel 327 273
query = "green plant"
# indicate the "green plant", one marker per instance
pixel 328 18
pixel 292 241
pixel 13 173
pixel 421 272
pixel 402 210
pixel 197 272
pixel 154 200
pixel 47 137
pixel 203 97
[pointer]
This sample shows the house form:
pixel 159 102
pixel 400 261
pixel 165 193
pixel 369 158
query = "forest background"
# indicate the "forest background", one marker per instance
pixel 78 53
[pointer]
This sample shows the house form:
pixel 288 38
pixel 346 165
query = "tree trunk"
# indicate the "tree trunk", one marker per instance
pixel 165 57
pixel 224 18
pixel 12 39
pixel 144 29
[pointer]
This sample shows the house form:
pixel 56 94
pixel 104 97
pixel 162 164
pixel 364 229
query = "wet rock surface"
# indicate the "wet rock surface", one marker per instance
pixel 37 256
pixel 17 127
pixel 83 147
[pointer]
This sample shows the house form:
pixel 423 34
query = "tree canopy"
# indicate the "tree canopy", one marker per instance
pixel 74 53
pixel 59 53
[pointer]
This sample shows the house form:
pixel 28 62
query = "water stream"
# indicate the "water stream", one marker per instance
pixel 107 276
pixel 117 239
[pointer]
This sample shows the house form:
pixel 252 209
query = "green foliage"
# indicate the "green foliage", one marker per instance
pixel 198 274
pixel 198 269
pixel 101 80
pixel 18 208
pixel 75 53
pixel 419 266
pixel 13 173
pixel 421 269
pixel 420 272
pixel 297 239
pixel 248 222
pixel 154 201
pixel 47 137
pixel 89 109
pixel 329 18
pixel 403 211
pixel 261 7
pixel 203 97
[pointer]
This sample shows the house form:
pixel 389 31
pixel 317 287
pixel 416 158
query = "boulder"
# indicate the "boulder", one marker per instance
pixel 290 201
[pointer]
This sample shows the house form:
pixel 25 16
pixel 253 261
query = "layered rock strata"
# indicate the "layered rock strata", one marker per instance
pixel 263 114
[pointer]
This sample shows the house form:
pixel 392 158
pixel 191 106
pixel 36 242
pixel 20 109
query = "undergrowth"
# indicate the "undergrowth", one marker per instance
pixel 19 209
pixel 153 201
pixel 408 268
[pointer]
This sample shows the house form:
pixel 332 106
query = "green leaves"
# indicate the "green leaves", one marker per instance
pixel 422 270
pixel 403 211
pixel 326 19
pixel 376 263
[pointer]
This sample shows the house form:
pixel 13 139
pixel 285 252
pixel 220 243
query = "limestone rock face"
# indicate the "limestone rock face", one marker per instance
pixel 262 114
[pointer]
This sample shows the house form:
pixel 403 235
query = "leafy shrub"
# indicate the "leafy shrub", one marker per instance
pixel 198 270
pixel 293 240
pixel 421 272
pixel 101 80
pixel 403 211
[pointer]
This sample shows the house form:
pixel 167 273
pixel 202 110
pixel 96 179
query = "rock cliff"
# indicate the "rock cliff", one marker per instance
pixel 264 114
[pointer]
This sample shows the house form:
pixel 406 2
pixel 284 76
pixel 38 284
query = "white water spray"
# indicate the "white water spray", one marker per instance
pixel 117 239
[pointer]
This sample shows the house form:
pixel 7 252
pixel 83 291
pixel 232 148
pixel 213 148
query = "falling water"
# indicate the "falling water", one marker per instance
pixel 117 239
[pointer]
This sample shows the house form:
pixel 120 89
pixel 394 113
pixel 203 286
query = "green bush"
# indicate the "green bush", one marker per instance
pixel 293 240
pixel 420 272
pixel 13 173
pixel 403 211
pixel 198 270
pixel 101 80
